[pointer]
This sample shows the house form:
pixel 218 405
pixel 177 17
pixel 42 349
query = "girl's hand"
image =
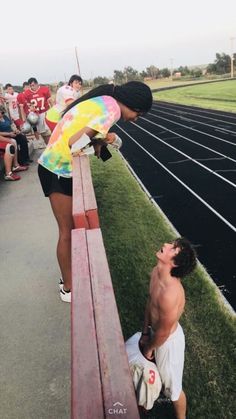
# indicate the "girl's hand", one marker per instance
pixel 110 138
pixel 97 148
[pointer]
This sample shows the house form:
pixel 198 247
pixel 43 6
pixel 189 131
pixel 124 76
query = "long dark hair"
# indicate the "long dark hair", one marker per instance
pixel 134 94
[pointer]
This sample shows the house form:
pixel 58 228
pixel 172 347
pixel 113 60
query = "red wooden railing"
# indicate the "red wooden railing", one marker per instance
pixel 101 382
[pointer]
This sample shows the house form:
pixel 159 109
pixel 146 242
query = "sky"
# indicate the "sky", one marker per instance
pixel 39 38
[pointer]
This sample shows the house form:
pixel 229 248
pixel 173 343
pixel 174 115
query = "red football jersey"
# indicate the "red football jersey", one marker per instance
pixel 22 101
pixel 38 98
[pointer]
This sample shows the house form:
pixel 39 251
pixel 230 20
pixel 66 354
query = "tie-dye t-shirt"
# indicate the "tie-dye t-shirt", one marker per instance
pixel 98 113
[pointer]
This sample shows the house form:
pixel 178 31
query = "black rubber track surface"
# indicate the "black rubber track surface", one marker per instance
pixel 200 224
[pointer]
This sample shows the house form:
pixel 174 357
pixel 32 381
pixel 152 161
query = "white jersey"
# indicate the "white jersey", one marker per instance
pixel 146 379
pixel 12 105
pixel 65 94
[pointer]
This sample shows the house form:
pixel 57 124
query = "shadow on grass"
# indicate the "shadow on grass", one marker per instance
pixel 163 409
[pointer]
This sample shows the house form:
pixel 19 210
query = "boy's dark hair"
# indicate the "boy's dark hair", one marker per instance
pixel 134 94
pixel 32 80
pixel 75 78
pixel 8 85
pixel 185 260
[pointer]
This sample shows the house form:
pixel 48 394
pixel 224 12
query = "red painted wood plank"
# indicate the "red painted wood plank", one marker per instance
pixel 118 391
pixel 92 218
pixel 86 389
pixel 90 203
pixel 78 210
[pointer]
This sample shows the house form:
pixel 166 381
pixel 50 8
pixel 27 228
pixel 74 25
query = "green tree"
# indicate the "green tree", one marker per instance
pixel 131 74
pixel 211 68
pixel 100 80
pixel 196 72
pixel 165 72
pixel 183 70
pixel 118 77
pixel 221 65
pixel 143 74
pixel 152 71
pixel 222 62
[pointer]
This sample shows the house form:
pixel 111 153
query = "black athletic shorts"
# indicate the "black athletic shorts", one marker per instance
pixel 53 183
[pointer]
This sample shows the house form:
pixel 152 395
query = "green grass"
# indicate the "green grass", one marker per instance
pixel 133 229
pixel 219 95
pixel 167 82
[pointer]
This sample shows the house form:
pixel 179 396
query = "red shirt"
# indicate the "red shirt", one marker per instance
pixel 22 101
pixel 38 98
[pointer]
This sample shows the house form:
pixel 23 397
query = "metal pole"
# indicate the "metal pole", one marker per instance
pixel 171 69
pixel 232 56
pixel 77 60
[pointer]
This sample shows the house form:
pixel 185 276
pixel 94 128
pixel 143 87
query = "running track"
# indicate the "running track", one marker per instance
pixel 186 158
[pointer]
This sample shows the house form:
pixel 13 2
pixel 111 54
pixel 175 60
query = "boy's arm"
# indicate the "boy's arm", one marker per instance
pixel 166 321
pixel 145 336
pixel 146 323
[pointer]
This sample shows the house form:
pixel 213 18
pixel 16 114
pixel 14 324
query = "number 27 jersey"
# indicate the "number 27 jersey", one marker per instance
pixel 38 98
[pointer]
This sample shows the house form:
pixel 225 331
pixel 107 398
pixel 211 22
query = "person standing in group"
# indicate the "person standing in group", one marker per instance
pixel 89 116
pixel 23 105
pixel 162 338
pixel 38 99
pixel 65 96
pixel 12 103
pixel 25 108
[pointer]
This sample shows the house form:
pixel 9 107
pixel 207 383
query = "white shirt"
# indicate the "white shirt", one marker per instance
pixel 12 105
pixel 146 378
pixel 64 94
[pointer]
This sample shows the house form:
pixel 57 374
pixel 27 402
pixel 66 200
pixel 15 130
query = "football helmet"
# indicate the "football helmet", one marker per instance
pixel 32 118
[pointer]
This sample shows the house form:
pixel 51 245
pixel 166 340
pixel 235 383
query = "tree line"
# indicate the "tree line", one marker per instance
pixel 221 66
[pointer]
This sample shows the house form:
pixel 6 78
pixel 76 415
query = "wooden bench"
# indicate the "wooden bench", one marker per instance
pixel 102 386
pixel 84 211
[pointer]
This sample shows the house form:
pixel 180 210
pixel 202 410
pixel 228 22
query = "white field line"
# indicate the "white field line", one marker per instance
pixel 197 113
pixel 192 129
pixel 198 122
pixel 203 201
pixel 189 139
pixel 188 157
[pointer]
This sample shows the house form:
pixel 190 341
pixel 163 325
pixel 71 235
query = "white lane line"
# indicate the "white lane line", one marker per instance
pixel 192 129
pixel 203 201
pixel 226 170
pixel 212 158
pixel 178 161
pixel 197 122
pixel 187 110
pixel 188 139
pixel 187 156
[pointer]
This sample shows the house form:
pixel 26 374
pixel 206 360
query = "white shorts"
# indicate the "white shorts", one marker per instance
pixel 42 127
pixel 170 363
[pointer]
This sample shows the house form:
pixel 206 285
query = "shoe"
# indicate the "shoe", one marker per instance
pixel 27 162
pixel 65 295
pixel 39 144
pixel 11 176
pixel 19 168
pixel 61 283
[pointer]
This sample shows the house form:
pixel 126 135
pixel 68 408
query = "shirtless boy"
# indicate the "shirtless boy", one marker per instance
pixel 164 308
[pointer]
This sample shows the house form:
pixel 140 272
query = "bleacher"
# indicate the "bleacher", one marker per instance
pixel 102 386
